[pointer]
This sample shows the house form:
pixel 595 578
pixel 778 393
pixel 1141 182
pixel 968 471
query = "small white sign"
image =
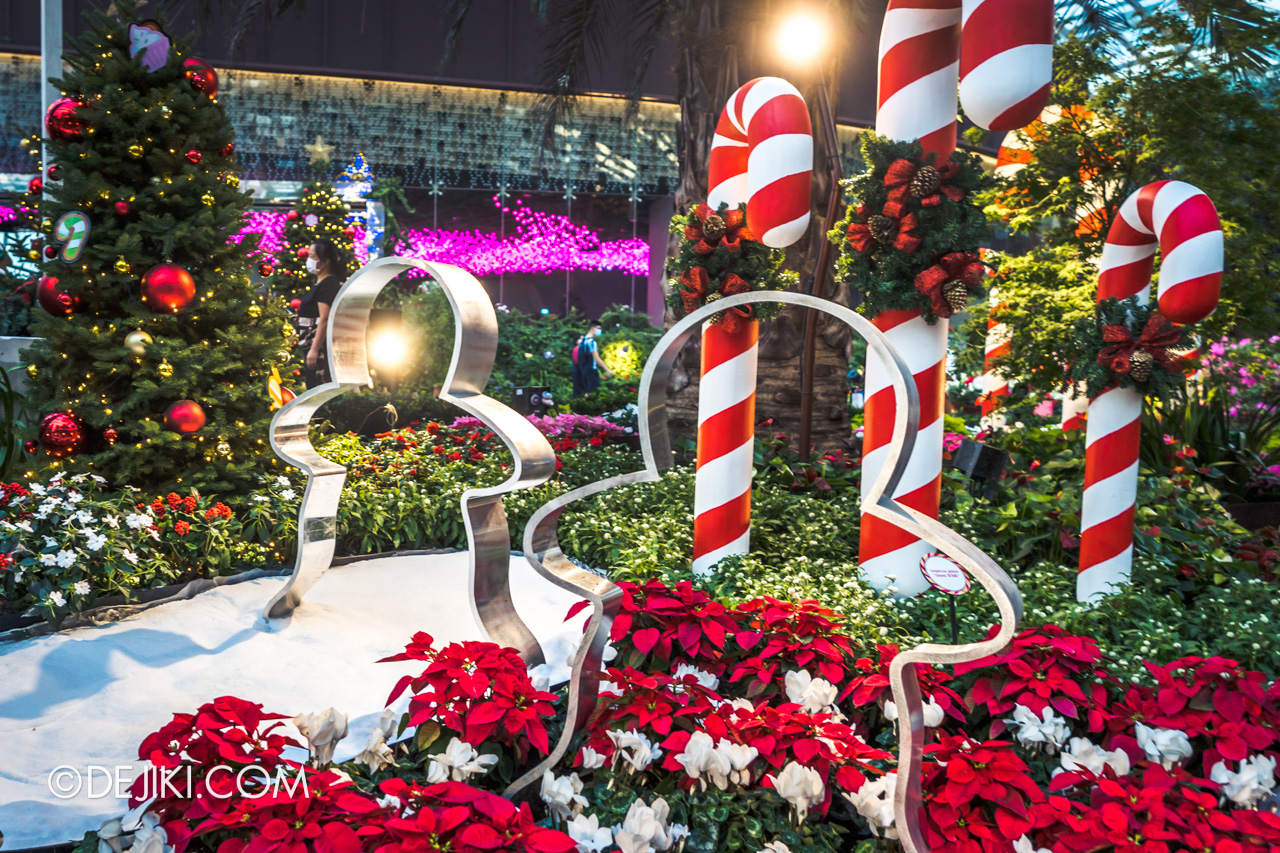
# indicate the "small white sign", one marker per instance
pixel 944 574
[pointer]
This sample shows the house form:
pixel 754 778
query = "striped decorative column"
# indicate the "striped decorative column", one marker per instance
pixel 994 387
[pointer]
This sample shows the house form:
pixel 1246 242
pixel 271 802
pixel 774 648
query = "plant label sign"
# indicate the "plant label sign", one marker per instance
pixel 944 574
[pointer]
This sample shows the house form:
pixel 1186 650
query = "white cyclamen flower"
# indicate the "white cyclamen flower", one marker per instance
pixel 96 541
pixel 740 757
pixel 66 559
pixel 1025 845
pixel 109 836
pixel 377 753
pixel 1048 731
pixel 1083 754
pixel 704 679
pixel 801 786
pixel 563 794
pixel 933 713
pixel 591 760
pixel 634 748
pixel 590 835
pixel 322 730
pixel 874 801
pixel 816 695
pixel 645 828
pixel 1253 784
pixel 1168 746
pixel 57 598
pixel 775 847
pixel 702 761
pixel 149 837
pixel 462 760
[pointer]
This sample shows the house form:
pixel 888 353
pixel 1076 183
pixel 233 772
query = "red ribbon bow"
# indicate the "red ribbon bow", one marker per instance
pixel 902 172
pixel 957 266
pixel 694 284
pixel 735 317
pixel 735 230
pixel 1155 339
pixel 905 239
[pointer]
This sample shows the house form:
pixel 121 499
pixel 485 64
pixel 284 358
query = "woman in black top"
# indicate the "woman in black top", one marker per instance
pixel 325 262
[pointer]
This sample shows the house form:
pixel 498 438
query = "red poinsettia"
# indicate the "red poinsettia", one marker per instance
pixel 892 226
pixel 871 683
pixel 791 635
pixel 674 625
pixel 714 230
pixel 905 179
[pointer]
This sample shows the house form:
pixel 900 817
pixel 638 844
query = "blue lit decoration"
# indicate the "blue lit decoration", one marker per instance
pixel 356 181
pixel 375 228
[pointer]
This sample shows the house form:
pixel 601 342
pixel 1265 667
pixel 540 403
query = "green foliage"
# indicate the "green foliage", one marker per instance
pixel 885 273
pixel 179 211
pixel 1090 353
pixel 289 277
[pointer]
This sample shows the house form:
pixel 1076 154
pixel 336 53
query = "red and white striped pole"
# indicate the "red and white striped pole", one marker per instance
pixel 994 386
pixel 1001 53
pixel 762 155
pixel 1184 223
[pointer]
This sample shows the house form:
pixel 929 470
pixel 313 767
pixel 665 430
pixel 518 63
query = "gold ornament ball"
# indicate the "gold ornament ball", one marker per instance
pixel 136 151
pixel 32 370
pixel 233 180
pixel 207 198
pixel 224 449
pixel 34 254
pixel 165 369
pixel 105 195
pixel 287 330
pixel 254 311
pixel 137 341
pixel 122 266
pixel 284 355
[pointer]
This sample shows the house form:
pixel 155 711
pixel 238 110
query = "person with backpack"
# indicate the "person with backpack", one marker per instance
pixel 587 363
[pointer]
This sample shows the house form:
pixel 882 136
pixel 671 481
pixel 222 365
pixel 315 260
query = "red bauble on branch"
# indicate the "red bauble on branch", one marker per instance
pixel 228 149
pixel 202 76
pixel 193 155
pixel 123 208
pixel 265 269
pixel 53 172
pixel 62 434
pixel 110 435
pixel 35 186
pixel 54 299
pixel 292 216
pixel 304 252
pixel 184 417
pixel 168 288
pixel 64 121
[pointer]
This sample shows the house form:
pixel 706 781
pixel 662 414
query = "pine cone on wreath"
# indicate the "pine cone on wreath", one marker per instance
pixel 1141 364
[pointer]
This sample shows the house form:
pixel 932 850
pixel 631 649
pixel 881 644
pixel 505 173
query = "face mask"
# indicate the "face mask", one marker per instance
pixel 596 333
pixel 313 266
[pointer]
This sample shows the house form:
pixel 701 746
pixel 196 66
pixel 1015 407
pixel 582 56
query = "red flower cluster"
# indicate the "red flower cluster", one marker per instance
pixel 1043 666
pixel 218 510
pixel 803 635
pixel 13 492
pixel 455 817
pixel 872 683
pixel 673 624
pixel 477 690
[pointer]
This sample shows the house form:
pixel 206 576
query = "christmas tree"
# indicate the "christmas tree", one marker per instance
pixel 319 213
pixel 156 351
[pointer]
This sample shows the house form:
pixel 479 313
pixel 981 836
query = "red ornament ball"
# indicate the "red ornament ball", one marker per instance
pixel 295 304
pixel 64 120
pixel 110 435
pixel 53 172
pixel 265 269
pixel 31 445
pixel 62 434
pixel 292 216
pixel 350 231
pixel 123 208
pixel 184 417
pixel 228 149
pixel 304 252
pixel 51 252
pixel 193 155
pixel 54 299
pixel 202 76
pixel 168 288
pixel 36 185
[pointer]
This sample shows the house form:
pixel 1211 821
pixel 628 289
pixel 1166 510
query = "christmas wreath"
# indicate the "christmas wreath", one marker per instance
pixel 719 257
pixel 1129 345
pixel 910 236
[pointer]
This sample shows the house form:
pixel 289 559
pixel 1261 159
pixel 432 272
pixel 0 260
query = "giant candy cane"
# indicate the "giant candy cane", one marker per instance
pixel 1184 222
pixel 1000 54
pixel 762 155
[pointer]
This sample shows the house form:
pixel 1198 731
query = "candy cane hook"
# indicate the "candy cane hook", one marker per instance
pixel 1184 223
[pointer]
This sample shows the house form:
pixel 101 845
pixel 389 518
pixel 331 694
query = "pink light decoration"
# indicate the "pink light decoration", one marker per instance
pixel 7 214
pixel 542 243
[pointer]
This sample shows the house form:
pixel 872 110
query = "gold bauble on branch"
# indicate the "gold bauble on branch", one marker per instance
pixel 137 341
pixel 287 330
pixel 223 448
pixel 32 370
pixel 207 199
pixel 136 151
pixel 122 266
pixel 254 311
pixel 165 369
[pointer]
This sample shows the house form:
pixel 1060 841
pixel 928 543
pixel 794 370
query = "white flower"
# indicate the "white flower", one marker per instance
pixel 1083 754
pixel 84 517
pixel 97 479
pixel 542 675
pixel 1253 784
pixel 817 695
pixel 111 521
pixel 57 598
pixel 150 837
pixel 775 847
pixel 37 488
pixel 66 559
pixel 282 481
pixel 933 713
pixel 24 526
pixel 437 772
pixel 81 587
pixel 591 760
pixel 74 498
pixel 701 758
pixel 645 828
pixel 376 753
pixel 79 478
pixel 17 576
pixel 139 521
pixel 801 786
pixel 740 757
pixel 261 498
pixel 563 794
pixel 50 542
pixel 48 559
pixel 130 556
pixel 1048 731
pixel 1168 746
pixel 96 541
pixel 1025 845
pixel 874 801
pixel 288 494
pixel 704 679
pixel 462 760
pixel 635 749
pixel 322 730
pixel 109 836
pixel 590 835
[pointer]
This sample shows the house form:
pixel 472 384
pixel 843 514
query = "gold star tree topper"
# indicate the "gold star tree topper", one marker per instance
pixel 319 151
